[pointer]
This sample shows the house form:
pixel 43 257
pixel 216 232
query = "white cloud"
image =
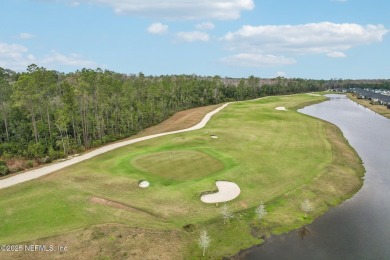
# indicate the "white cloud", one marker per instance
pixel 158 28
pixel 74 4
pixel 179 9
pixel 336 54
pixel 272 44
pixel 322 37
pixel 281 74
pixel 26 36
pixel 72 60
pixel 13 56
pixel 17 57
pixel 193 36
pixel 257 60
pixel 205 26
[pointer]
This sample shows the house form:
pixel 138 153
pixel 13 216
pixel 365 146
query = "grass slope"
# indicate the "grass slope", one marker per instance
pixel 277 157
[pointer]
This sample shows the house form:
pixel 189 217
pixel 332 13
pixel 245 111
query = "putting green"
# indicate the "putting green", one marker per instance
pixel 179 165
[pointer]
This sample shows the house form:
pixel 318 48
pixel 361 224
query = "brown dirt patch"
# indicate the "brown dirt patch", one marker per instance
pixel 119 205
pixel 243 205
pixel 180 120
pixel 108 241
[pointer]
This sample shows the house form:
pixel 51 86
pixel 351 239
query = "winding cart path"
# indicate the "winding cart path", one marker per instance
pixel 39 172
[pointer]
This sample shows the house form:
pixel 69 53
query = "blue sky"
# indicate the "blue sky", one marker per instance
pixel 319 39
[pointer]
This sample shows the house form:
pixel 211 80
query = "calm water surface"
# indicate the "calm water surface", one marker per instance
pixel 359 228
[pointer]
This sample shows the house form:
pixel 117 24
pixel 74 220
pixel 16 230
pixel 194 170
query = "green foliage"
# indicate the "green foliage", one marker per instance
pixel 54 155
pixel 4 170
pixel 42 110
pixel 30 164
pixel 35 150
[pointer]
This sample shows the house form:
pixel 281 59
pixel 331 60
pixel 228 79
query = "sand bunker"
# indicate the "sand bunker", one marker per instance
pixel 214 136
pixel 313 94
pixel 144 184
pixel 281 108
pixel 226 191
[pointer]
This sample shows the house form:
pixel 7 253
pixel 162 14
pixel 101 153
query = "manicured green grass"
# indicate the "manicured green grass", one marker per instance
pixel 277 157
pixel 178 165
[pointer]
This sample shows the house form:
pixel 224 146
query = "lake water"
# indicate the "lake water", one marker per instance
pixel 359 228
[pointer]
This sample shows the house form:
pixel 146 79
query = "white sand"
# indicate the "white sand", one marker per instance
pixel 281 108
pixel 313 94
pixel 144 184
pixel 214 136
pixel 39 172
pixel 226 191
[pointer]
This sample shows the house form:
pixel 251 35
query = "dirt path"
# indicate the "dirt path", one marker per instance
pixel 39 172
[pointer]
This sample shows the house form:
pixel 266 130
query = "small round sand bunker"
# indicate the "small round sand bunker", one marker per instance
pixel 143 184
pixel 214 136
pixel 281 108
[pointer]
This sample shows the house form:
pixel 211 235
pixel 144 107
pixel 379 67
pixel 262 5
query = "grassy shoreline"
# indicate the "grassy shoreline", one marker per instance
pixel 292 157
pixel 380 109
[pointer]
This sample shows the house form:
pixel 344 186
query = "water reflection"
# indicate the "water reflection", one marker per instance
pixel 360 227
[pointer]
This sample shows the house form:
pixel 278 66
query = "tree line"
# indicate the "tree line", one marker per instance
pixel 346 84
pixel 46 114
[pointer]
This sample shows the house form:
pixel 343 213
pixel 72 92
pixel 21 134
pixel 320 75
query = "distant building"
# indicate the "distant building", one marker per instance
pixel 374 97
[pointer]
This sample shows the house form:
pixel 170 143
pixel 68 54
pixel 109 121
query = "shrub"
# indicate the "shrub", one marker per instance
pixel 189 227
pixel 36 150
pixel 30 164
pixel 54 155
pixel 47 159
pixel 4 170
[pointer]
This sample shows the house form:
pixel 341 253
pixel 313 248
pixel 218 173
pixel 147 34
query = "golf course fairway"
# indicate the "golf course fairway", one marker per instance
pixel 97 209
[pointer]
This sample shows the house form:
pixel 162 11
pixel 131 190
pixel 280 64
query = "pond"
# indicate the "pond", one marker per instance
pixel 359 228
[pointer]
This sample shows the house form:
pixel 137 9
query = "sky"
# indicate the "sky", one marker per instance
pixel 316 39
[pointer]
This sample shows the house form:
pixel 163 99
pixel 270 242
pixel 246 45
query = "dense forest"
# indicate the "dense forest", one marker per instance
pixel 346 84
pixel 47 115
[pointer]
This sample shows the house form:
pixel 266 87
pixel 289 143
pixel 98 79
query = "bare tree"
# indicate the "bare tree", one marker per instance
pixel 261 211
pixel 307 207
pixel 226 213
pixel 204 241
pixel 303 231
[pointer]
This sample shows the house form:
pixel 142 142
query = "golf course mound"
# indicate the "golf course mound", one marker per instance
pixel 179 165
